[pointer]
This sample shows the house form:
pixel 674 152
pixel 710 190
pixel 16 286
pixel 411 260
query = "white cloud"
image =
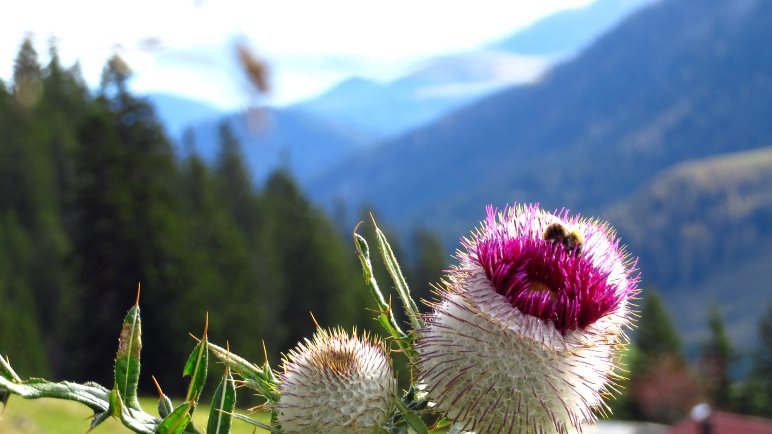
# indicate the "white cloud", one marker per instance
pixel 182 46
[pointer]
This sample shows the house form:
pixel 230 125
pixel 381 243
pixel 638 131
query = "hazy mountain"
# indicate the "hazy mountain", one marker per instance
pixel 176 113
pixel 679 80
pixel 438 86
pixel 702 229
pixel 273 138
pixel 569 31
pixel 446 83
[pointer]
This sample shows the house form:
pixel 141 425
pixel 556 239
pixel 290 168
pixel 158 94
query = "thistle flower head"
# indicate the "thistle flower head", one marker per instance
pixel 525 335
pixel 336 383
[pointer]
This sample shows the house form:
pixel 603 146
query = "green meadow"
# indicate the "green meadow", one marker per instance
pixel 44 416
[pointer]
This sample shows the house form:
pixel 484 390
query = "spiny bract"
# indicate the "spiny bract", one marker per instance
pixel 336 383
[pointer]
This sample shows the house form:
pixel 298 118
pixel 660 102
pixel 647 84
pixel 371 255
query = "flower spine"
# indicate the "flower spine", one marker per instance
pixel 526 332
pixel 336 383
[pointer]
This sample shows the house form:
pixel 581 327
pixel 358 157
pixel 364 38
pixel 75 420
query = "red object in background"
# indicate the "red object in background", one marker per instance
pixel 724 423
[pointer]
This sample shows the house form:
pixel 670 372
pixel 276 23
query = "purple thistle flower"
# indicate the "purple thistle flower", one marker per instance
pixel 526 333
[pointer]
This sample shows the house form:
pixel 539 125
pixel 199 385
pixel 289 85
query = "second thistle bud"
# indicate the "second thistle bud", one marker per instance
pixel 336 383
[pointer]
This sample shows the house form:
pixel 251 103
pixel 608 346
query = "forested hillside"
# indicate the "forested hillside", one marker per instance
pixel 679 80
pixel 94 202
pixel 704 227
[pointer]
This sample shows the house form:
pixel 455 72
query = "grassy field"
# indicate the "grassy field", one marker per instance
pixel 49 416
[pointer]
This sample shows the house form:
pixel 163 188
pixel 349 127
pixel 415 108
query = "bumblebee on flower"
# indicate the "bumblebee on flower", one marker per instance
pixel 526 332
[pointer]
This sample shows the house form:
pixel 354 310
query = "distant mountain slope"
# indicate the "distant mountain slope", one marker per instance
pixel 682 79
pixel 442 84
pixel 177 113
pixel 281 138
pixel 569 31
pixel 703 227
pixel 446 83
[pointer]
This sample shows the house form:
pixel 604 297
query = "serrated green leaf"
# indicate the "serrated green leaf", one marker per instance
pixel 116 404
pixel 90 394
pixel 127 358
pixel 196 368
pixel 7 371
pixel 223 403
pixel 400 284
pixel 97 420
pixel 165 406
pixel 177 421
pixel 256 423
pixel 386 317
pixel 255 378
pixel 386 314
pixel 412 419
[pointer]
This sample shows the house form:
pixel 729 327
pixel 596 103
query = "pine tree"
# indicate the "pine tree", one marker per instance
pixel 235 183
pixel 432 259
pixel 225 277
pixel 314 268
pixel 716 360
pixel 32 155
pixel 127 217
pixel 20 334
pixel 661 386
pixel 27 83
pixel 754 394
pixel 655 335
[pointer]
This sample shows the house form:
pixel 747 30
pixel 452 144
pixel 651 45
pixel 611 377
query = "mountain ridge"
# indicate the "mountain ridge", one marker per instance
pixel 562 140
pixel 701 227
pixel 446 83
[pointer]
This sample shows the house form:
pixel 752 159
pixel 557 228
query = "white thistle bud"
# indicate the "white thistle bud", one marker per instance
pixel 526 333
pixel 336 383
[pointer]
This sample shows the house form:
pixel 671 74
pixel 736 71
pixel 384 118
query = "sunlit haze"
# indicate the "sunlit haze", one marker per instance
pixel 185 47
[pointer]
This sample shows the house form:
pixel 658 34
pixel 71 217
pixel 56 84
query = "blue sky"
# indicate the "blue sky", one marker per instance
pixel 186 47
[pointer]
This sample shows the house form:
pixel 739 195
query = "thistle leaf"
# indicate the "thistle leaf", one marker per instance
pixel 256 423
pixel 400 284
pixel 388 320
pixel 165 406
pixel 116 404
pixel 127 357
pixel 412 419
pixel 7 371
pixel 196 367
pixel 177 421
pixel 257 379
pixel 97 420
pixel 386 314
pixel 90 394
pixel 223 403
pixel 94 396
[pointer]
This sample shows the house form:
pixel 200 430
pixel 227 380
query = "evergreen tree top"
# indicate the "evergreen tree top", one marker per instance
pixel 656 335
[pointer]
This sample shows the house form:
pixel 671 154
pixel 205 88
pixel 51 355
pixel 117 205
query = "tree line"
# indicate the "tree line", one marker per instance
pixel 94 201
pixel 661 384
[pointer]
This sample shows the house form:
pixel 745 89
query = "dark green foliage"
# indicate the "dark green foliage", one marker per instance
pixel 716 360
pixel 20 334
pixel 655 335
pixel 310 267
pixel 431 260
pixel 754 394
pixel 127 358
pixel 660 386
pixel 223 403
pixel 99 203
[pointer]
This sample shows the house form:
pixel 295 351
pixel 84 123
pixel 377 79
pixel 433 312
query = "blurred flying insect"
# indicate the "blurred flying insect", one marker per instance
pixel 570 237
